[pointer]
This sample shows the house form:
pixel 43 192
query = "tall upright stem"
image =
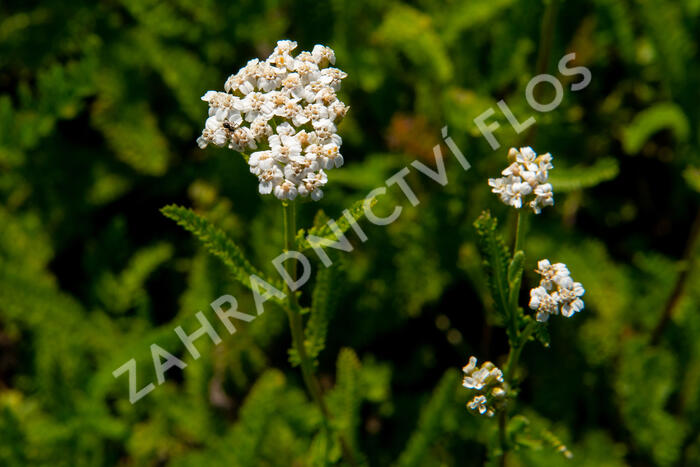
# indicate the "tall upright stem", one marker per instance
pixel 295 320
pixel 543 54
pixel 296 326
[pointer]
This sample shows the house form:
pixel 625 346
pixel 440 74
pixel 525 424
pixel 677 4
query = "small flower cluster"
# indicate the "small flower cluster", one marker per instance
pixel 488 382
pixel 527 174
pixel 556 288
pixel 286 109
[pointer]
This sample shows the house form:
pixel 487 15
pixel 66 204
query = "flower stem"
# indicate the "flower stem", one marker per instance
pixel 508 370
pixel 502 424
pixel 518 232
pixel 296 326
pixel 515 352
pixel 543 53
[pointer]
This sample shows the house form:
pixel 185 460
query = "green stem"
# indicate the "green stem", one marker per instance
pixel 518 232
pixel 515 352
pixel 502 424
pixel 543 54
pixel 508 370
pixel 295 320
pixel 296 326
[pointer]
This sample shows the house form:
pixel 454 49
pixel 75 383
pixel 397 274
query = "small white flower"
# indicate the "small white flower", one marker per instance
pixel 286 190
pixel 526 174
pixel 478 378
pixel 487 381
pixel 526 156
pixel 331 157
pixel 269 179
pixel 551 273
pixel 557 289
pixel 261 161
pixel 478 404
pixel 312 183
pixel 284 147
pixel 323 55
pixel 544 303
pixel 569 299
pixel 470 366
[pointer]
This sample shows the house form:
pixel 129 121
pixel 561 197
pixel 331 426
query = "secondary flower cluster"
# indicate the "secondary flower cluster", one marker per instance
pixel 286 109
pixel 527 174
pixel 488 382
pixel 556 288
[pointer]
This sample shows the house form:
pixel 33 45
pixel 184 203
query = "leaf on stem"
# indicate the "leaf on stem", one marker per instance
pixel 323 230
pixel 496 259
pixel 431 421
pixel 217 243
pixel 346 397
pixel 324 299
pixel 542 334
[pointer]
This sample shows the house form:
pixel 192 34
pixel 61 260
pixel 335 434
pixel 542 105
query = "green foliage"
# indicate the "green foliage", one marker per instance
pixel 120 292
pixel 643 385
pixel 496 260
pixel 321 228
pixel 578 178
pixel 99 111
pixel 649 121
pixel 217 243
pixel 692 176
pixel 412 33
pixel 431 422
pixel 323 302
pixel 346 397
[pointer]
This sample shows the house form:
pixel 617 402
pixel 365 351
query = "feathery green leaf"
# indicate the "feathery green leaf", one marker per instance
pixel 577 178
pixel 217 243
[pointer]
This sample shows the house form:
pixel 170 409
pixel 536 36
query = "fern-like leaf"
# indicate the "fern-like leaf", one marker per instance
pixel 324 299
pixel 495 259
pixel 323 230
pixel 430 422
pixel 217 243
pixel 346 398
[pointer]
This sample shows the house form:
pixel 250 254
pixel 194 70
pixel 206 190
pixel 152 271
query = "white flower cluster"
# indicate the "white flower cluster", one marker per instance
pixel 286 109
pixel 527 174
pixel 488 382
pixel 556 288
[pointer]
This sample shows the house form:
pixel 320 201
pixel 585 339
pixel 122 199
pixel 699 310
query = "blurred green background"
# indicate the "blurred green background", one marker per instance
pixel 99 112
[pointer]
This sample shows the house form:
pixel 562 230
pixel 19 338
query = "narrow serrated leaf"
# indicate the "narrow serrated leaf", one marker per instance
pixel 495 259
pixel 323 230
pixel 217 243
pixel 430 422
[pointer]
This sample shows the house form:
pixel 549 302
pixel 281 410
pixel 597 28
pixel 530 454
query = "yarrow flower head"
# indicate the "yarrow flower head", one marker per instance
pixel 284 112
pixel 526 175
pixel 487 381
pixel 557 289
